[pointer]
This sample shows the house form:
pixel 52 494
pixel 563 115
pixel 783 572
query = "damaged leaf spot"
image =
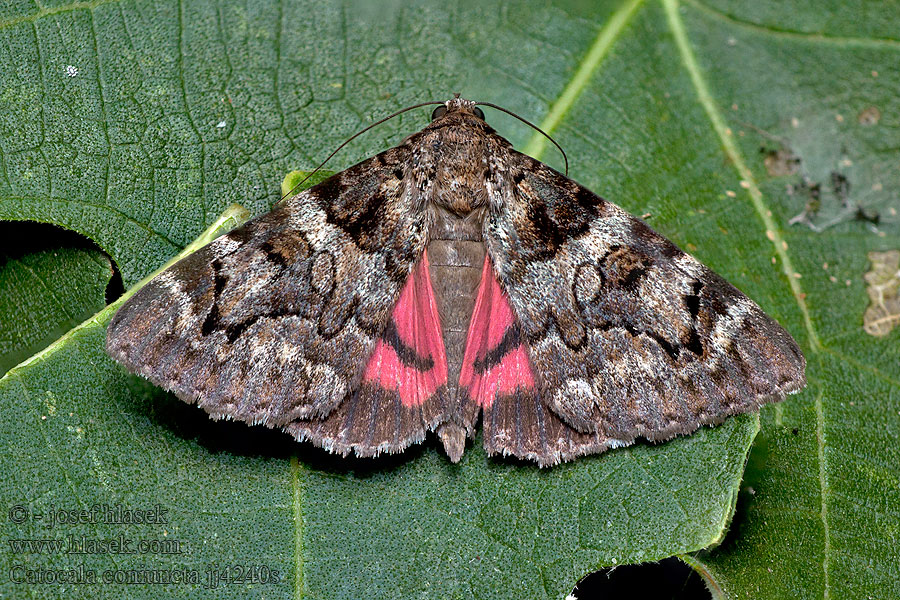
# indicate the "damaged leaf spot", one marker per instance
pixel 812 192
pixel 829 204
pixel 781 162
pixel 869 116
pixel 883 282
pixel 840 185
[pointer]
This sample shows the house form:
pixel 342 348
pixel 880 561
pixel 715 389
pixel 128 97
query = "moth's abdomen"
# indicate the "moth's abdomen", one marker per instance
pixel 455 255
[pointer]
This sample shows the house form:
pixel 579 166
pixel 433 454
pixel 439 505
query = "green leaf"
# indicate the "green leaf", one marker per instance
pixel 46 288
pixel 818 514
pixel 171 111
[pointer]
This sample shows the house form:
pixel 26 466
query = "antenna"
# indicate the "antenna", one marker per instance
pixel 354 136
pixel 533 126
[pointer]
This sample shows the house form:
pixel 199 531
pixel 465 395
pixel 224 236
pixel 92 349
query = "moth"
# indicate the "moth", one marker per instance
pixel 448 279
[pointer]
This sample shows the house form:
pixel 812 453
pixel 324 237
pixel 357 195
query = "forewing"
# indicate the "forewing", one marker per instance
pixel 627 335
pixel 276 321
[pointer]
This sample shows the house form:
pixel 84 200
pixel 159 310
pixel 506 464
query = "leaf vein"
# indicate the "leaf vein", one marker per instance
pixel 53 10
pixel 823 482
pixel 796 35
pixel 296 500
pixel 598 51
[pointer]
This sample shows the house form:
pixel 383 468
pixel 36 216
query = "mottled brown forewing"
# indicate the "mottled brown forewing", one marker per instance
pixel 273 323
pixel 628 335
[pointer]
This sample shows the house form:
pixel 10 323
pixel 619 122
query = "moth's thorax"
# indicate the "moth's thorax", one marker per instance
pixel 458 148
pixel 459 182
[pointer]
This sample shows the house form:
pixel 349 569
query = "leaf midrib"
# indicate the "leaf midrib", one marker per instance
pixel 774 234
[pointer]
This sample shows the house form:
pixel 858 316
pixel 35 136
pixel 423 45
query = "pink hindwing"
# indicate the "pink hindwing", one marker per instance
pixel 409 356
pixel 495 361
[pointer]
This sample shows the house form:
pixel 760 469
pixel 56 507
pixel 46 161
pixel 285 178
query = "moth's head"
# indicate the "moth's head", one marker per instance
pixel 457 108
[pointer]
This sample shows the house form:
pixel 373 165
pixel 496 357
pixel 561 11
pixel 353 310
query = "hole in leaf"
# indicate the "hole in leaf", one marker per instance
pixel 51 279
pixel 668 579
pixel 18 238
